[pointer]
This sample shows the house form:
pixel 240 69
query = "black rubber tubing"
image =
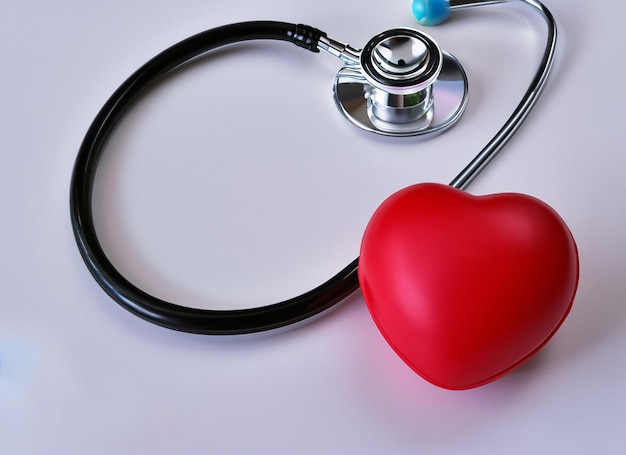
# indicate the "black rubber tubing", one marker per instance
pixel 140 303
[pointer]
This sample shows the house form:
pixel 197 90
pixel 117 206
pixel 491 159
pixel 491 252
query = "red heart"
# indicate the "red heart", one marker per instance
pixel 466 288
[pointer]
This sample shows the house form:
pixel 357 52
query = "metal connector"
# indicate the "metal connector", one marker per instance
pixel 348 54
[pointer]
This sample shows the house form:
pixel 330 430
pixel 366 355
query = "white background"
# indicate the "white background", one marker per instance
pixel 237 183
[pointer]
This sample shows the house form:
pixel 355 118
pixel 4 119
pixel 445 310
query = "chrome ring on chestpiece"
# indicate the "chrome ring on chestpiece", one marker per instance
pixel 401 66
pixel 402 85
pixel 401 61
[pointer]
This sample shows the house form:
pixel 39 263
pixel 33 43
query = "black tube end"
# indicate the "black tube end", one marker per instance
pixel 306 37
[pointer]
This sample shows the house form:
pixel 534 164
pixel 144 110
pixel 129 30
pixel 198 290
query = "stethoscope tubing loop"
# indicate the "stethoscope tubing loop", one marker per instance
pixel 232 322
pixel 119 288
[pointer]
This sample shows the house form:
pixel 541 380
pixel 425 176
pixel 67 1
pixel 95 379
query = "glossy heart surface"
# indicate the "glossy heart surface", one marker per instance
pixel 466 288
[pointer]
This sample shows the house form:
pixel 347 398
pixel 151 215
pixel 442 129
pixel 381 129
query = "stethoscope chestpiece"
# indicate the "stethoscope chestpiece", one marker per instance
pixel 401 84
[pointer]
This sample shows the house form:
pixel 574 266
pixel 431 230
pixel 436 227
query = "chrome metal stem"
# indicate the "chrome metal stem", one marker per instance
pixel 345 52
pixel 529 99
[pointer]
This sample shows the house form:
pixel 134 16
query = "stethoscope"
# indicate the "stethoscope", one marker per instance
pixel 400 84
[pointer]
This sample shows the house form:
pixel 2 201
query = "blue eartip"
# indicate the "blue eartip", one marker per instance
pixel 431 12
